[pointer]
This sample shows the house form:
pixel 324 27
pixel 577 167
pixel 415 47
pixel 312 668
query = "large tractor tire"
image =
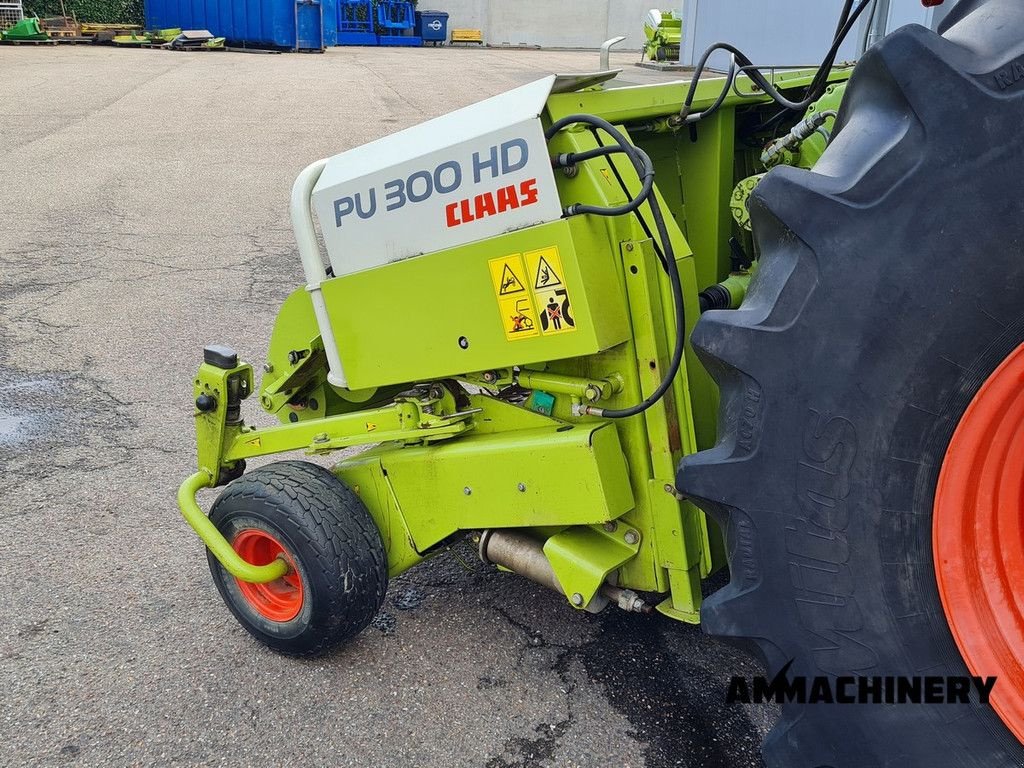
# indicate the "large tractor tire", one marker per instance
pixel 870 466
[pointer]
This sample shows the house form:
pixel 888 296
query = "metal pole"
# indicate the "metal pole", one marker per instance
pixel 606 51
pixel 312 264
pixel 879 24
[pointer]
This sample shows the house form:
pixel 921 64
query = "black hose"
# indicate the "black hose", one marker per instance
pixel 817 86
pixel 680 344
pixel 843 18
pixel 729 80
pixel 642 163
pixel 844 31
pixel 647 177
pixel 571 158
pixel 645 171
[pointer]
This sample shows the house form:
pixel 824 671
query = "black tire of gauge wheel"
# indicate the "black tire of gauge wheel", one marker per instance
pixel 890 288
pixel 338 575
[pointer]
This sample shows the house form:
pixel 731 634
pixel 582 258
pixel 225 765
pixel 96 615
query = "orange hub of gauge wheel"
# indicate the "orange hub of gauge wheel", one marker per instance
pixel 279 600
pixel 978 535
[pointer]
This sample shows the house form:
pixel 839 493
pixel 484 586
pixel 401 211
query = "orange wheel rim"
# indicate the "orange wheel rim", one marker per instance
pixel 279 600
pixel 978 536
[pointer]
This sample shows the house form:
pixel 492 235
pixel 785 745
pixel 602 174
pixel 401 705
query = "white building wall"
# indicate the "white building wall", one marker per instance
pixel 784 32
pixel 462 14
pixel 769 31
pixel 787 31
pixel 551 23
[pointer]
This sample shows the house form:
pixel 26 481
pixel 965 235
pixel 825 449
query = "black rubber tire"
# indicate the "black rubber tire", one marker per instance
pixel 890 287
pixel 333 540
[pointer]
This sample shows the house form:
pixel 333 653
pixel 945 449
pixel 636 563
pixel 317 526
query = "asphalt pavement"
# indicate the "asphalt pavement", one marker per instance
pixel 143 214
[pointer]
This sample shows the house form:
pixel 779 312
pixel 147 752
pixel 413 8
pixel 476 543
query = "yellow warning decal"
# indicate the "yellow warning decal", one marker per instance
pixel 544 274
pixel 508 275
pixel 518 315
pixel 544 268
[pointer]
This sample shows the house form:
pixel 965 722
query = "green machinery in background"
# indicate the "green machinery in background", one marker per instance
pixel 663 34
pixel 27 29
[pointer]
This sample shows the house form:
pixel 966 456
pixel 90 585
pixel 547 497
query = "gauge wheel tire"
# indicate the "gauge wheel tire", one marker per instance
pixel 338 566
pixel 888 303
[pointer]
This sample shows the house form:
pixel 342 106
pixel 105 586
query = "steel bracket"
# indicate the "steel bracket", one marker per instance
pixel 583 557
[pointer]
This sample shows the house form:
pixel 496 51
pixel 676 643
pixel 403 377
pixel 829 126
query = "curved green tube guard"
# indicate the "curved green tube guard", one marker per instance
pixel 214 539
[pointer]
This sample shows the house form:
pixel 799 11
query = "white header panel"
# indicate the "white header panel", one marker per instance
pixel 468 175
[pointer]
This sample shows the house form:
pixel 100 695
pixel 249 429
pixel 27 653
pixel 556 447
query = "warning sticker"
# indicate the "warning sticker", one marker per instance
pixel 510 282
pixel 519 317
pixel 508 275
pixel 518 313
pixel 552 294
pixel 545 275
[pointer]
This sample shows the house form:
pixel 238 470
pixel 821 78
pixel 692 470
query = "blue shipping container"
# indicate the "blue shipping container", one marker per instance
pixel 292 24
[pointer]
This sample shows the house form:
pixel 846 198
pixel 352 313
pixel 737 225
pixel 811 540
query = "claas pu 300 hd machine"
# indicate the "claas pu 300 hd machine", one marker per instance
pixel 627 336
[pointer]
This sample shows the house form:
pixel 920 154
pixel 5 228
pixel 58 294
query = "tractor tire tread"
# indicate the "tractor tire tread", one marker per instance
pixel 887 290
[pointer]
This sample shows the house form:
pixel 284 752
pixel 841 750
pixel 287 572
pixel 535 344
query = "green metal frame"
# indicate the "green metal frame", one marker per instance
pixel 443 459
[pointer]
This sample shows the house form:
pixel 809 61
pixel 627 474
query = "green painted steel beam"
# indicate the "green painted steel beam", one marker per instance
pixel 401 421
pixel 621 106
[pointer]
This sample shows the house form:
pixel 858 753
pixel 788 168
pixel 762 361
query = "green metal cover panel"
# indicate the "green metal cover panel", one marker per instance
pixel 522 478
pixel 455 311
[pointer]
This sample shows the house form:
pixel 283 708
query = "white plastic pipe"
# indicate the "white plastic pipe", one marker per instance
pixel 313 265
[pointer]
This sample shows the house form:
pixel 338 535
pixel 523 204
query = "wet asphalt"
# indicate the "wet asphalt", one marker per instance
pixel 143 214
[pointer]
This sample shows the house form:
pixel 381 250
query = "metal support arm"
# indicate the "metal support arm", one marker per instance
pixel 214 539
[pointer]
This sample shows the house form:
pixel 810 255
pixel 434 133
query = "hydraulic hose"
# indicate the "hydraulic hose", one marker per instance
pixel 645 171
pixel 847 20
pixel 680 343
pixel 642 163
pixel 571 158
pixel 730 78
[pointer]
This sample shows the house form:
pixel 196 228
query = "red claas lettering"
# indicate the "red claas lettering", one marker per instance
pixel 491 203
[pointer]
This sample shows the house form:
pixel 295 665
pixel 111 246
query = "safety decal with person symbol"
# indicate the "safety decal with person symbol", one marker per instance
pixel 549 288
pixel 532 294
pixel 515 302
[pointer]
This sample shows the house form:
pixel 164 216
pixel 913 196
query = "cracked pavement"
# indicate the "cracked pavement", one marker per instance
pixel 144 211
